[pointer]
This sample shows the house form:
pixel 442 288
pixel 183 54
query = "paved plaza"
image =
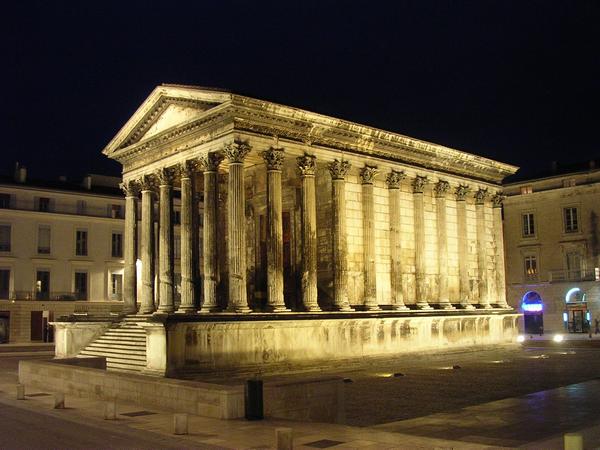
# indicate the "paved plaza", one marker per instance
pixel 498 398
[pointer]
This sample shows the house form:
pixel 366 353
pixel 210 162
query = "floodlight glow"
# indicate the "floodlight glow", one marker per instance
pixel 532 307
pixel 565 317
pixel 570 293
pixel 558 338
pixel 588 317
pixel 520 338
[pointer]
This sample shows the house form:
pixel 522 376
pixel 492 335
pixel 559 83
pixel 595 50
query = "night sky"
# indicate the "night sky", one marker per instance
pixel 516 81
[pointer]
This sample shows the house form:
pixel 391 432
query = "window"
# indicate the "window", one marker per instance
pixel 5 201
pixel 177 247
pixel 177 217
pixel 4 283
pixel 44 239
pixel 42 285
pixel 81 243
pixel 81 207
pixel 528 225
pixel 4 238
pixel 116 286
pixel 569 182
pixel 531 269
pixel 81 285
pixel 116 212
pixel 571 223
pixel 526 190
pixel 117 245
pixel 43 204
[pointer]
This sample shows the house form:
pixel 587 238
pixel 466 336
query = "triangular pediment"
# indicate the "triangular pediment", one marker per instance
pixel 166 107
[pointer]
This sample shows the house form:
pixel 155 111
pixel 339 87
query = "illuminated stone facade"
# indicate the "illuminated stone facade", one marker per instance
pixel 297 210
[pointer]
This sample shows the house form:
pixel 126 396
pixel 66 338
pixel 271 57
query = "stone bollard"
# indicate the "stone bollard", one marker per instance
pixel 284 438
pixel 180 423
pixel 59 400
pixel 20 392
pixel 110 410
pixel 573 441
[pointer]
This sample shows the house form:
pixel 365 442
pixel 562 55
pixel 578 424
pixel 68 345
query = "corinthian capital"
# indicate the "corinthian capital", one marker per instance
pixel 481 195
pixel 306 165
pixel 497 199
pixel 165 176
pixel 367 174
pixel 338 169
pixel 236 151
pixel 210 162
pixel 461 192
pixel 394 178
pixel 273 158
pixel 441 188
pixel 147 182
pixel 130 188
pixel 419 183
pixel 187 168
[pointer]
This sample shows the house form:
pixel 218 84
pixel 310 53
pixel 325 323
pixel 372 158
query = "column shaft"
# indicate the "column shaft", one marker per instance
pixel 236 231
pixel 499 260
pixel 420 262
pixel 188 292
pixel 393 180
pixel 147 304
pixel 338 171
pixel 309 234
pixel 165 246
pixel 482 271
pixel 442 240
pixel 463 248
pixel 130 254
pixel 368 209
pixel 209 241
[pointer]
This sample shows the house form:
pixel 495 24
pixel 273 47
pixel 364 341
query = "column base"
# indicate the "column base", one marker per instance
pixel 446 305
pixel 312 308
pixel 424 306
pixel 344 308
pixel 145 312
pixel 239 309
pixel 277 309
pixel 486 306
pixel 400 308
pixel 186 310
pixel 165 310
pixel 209 309
pixel 372 308
pixel 466 306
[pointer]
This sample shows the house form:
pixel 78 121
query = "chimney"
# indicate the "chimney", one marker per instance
pixel 592 164
pixel 20 173
pixel 87 182
pixel 62 178
pixel 554 166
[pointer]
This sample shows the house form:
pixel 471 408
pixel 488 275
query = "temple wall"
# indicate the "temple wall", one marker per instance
pixel 246 344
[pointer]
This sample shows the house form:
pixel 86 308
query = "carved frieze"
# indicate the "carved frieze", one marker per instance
pixel 338 169
pixel 306 165
pixel 481 195
pixel 210 162
pixel 441 188
pixel 367 174
pixel 461 192
pixel 418 184
pixel 273 158
pixel 236 151
pixel 394 178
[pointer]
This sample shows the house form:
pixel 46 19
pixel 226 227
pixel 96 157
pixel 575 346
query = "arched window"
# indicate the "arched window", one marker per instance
pixel 532 302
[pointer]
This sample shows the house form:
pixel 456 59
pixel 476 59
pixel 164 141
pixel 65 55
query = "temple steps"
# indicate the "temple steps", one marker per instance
pixel 123 345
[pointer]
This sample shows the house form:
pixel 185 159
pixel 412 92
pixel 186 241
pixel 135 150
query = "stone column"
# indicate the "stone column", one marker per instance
pixel 482 240
pixel 307 167
pixel 131 190
pixel 393 181
pixel 367 175
pixel 165 240
pixel 463 246
pixel 148 305
pixel 274 161
pixel 440 189
pixel 338 171
pixel 236 232
pixel 188 278
pixel 499 260
pixel 210 166
pixel 418 185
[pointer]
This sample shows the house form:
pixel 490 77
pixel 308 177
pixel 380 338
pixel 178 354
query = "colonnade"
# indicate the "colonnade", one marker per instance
pixel 162 182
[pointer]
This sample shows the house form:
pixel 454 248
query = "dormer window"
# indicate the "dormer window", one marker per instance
pixel 526 190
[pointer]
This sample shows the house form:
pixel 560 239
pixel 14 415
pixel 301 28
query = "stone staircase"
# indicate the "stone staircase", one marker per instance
pixel 123 345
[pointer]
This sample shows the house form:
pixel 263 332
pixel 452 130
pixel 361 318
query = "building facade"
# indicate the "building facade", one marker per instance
pixel 61 251
pixel 553 247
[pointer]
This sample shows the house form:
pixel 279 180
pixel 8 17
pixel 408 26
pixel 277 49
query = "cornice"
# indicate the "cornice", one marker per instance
pixel 244 114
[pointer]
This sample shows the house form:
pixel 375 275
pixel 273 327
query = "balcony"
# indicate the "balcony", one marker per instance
pixel 47 296
pixel 65 208
pixel 559 276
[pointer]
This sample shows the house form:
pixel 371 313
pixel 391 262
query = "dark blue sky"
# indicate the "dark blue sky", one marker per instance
pixel 517 81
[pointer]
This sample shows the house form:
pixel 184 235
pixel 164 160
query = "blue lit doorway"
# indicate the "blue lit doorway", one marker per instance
pixel 533 313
